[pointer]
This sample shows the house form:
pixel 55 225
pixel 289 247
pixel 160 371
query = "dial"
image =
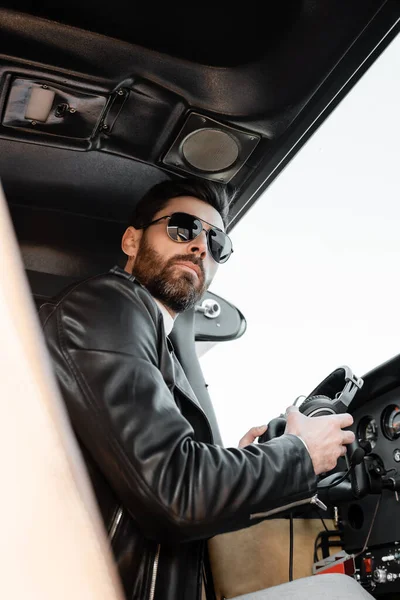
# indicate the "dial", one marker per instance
pixel 391 422
pixel 367 431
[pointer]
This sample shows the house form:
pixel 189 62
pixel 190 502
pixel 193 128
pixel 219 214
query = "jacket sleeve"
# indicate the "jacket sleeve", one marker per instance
pixel 125 415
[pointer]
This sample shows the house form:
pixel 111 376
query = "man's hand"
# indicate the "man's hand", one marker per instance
pixel 252 435
pixel 324 436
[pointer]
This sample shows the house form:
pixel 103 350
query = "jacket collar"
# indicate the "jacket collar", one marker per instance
pixel 178 377
pixel 168 320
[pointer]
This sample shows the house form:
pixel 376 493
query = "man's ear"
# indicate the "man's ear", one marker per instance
pixel 130 243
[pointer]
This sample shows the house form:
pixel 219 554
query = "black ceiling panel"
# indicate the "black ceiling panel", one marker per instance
pixel 134 79
pixel 199 34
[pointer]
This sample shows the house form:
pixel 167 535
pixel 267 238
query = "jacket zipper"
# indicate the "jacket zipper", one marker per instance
pixel 115 522
pixel 154 574
pixel 113 530
pixel 313 500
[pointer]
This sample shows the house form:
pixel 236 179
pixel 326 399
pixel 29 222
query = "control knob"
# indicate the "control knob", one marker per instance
pixel 380 575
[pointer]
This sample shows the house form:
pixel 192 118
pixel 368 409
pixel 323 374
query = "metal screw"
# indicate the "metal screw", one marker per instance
pixel 120 92
pixel 72 110
pixel 45 87
pixel 105 127
pixel 33 123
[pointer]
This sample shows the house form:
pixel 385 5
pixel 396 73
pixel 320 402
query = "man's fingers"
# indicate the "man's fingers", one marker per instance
pixel 258 430
pixel 348 437
pixel 255 432
pixel 343 451
pixel 252 434
pixel 345 420
pixel 291 409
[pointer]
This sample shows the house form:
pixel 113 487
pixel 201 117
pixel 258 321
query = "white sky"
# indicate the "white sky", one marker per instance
pixel 316 264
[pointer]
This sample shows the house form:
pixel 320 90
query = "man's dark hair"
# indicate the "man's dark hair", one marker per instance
pixel 215 194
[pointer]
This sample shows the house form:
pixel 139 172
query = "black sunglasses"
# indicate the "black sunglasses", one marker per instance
pixel 182 228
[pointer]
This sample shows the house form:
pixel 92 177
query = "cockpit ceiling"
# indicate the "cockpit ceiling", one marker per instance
pixel 217 37
pixel 227 96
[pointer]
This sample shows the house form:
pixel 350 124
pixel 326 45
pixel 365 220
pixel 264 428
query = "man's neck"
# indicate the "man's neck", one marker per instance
pixel 168 318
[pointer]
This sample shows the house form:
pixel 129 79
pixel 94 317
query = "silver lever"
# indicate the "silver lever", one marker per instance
pixel 210 308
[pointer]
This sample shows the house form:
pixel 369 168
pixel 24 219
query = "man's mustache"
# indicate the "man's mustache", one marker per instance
pixel 188 258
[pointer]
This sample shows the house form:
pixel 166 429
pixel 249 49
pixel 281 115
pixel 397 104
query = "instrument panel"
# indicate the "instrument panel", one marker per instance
pixel 391 422
pixel 367 431
pixel 370 527
pixel 377 428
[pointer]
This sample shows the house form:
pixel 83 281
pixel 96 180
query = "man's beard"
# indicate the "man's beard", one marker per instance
pixel 177 289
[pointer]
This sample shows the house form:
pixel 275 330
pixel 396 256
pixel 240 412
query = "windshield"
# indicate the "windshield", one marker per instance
pixel 319 260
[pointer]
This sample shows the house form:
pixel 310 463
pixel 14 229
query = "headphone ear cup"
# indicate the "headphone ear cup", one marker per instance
pixel 317 406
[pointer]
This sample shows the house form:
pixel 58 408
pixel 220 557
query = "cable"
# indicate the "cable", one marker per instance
pixel 331 485
pixel 356 458
pixel 370 528
pixel 390 470
pixel 291 547
pixel 319 516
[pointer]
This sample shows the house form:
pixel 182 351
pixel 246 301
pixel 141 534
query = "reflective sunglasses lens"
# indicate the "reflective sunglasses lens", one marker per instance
pixel 183 228
pixel 220 245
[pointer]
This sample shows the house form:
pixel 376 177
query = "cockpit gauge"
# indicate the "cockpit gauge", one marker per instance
pixel 367 431
pixel 391 422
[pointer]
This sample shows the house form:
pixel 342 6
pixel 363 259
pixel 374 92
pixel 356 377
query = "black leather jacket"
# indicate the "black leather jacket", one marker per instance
pixel 162 486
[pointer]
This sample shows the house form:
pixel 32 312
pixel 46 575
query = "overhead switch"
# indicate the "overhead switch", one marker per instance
pixel 39 104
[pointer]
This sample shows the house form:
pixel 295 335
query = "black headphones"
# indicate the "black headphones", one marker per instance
pixel 332 396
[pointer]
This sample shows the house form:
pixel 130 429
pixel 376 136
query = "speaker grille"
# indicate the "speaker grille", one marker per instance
pixel 210 150
pixel 206 148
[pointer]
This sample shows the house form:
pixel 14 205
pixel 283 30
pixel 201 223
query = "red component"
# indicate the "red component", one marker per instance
pixel 339 563
pixel 367 565
pixel 339 568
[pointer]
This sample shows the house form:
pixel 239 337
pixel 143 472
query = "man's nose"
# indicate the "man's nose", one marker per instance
pixel 199 245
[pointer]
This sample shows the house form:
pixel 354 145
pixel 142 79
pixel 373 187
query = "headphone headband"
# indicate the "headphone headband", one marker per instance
pixel 339 387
